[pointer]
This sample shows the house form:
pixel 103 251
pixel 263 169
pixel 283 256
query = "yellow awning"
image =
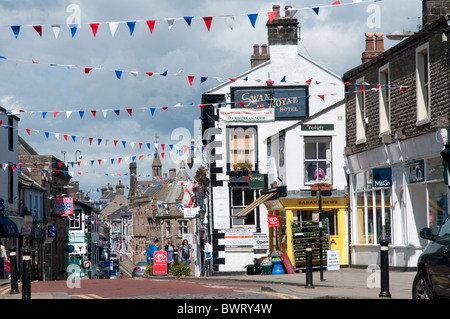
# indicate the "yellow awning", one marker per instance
pixel 261 199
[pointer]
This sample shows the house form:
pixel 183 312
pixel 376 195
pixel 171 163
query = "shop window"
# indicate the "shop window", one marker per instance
pixel 422 85
pixel 241 198
pixel 317 160
pixel 435 169
pixel 373 214
pixel 75 220
pixel 385 100
pixel 242 149
pixel 360 113
pixel 437 205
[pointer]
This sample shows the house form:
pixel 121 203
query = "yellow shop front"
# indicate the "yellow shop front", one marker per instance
pixel 298 210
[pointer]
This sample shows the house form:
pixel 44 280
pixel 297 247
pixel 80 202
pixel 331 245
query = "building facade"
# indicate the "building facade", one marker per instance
pixel 397 119
pixel 251 127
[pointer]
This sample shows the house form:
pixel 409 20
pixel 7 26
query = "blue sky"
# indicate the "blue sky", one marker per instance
pixel 333 38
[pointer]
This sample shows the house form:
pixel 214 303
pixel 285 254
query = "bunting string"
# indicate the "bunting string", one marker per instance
pixel 151 23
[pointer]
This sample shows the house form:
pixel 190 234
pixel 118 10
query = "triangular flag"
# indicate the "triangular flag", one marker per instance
pixel 149 73
pixel 16 30
pixel 208 21
pixel 46 134
pixel 164 73
pixel 188 20
pixel 44 114
pixel 170 22
pixel 283 79
pixel 272 15
pixel 253 17
pixel 129 111
pixel 336 3
pixel 28 131
pixel 38 29
pixel 230 22
pixel 203 79
pixel 118 73
pixel 113 27
pixel 152 109
pixel 316 10
pixel 87 70
pixel 73 29
pixel 117 112
pixel 81 113
pixel 56 28
pixel 151 25
pixel 308 81
pixel 131 25
pixel 322 97
pixel 94 113
pixel 94 27
pixel 191 79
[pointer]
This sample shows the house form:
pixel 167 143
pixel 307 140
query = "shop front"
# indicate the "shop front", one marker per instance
pixel 298 211
pixel 393 195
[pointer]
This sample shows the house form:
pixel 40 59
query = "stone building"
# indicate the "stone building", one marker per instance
pixel 397 124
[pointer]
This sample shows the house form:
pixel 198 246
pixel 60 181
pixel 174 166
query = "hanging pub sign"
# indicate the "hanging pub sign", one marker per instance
pixel 288 102
pixel 257 181
pixel 381 177
pixel 63 206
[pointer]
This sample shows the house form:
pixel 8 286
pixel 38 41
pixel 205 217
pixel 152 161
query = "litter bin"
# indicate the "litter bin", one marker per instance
pixel 257 269
pixel 267 269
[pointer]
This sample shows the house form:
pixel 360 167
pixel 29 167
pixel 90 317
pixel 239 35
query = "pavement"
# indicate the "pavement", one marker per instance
pixel 346 283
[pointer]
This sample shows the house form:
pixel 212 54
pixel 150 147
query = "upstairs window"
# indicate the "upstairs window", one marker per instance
pixel 423 85
pixel 243 149
pixel 360 112
pixel 317 160
pixel 385 100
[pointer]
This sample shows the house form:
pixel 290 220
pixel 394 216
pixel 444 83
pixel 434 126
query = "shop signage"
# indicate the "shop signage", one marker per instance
pixel 190 212
pixel 416 172
pixel 317 127
pixel 288 102
pixel 261 243
pixel 381 177
pixel 51 231
pixel 333 260
pixel 257 181
pixel 239 240
pixel 236 115
pixel 273 220
pixel 63 206
pixel 160 263
pixel 221 206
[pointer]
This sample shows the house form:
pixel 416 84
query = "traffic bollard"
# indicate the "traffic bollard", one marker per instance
pixel 384 268
pixel 309 274
pixel 26 273
pixel 13 265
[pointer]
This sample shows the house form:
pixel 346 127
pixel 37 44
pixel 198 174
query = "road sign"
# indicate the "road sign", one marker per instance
pixel 86 264
pixel 160 263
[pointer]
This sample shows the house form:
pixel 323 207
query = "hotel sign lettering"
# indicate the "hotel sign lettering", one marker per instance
pixel 288 102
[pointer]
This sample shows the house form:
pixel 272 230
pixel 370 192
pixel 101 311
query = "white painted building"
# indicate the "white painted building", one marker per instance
pixel 282 88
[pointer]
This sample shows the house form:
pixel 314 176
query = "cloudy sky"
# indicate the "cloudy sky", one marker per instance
pixel 58 81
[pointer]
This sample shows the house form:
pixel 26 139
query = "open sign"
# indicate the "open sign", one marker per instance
pixel 160 263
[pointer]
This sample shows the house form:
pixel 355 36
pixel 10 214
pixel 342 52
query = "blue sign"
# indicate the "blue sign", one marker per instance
pixel 51 231
pixel 288 102
pixel 381 177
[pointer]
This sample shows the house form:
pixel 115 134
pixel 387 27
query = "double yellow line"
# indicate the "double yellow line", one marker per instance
pixel 88 296
pixel 6 289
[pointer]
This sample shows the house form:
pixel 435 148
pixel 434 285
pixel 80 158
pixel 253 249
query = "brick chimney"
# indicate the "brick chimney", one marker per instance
pixel 374 46
pixel 282 30
pixel 259 57
pixel 434 9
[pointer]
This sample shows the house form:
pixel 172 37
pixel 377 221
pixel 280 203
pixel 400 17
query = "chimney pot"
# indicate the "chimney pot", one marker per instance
pixel 379 42
pixel 276 7
pixel 369 42
pixel 288 13
pixel 256 49
pixel 264 51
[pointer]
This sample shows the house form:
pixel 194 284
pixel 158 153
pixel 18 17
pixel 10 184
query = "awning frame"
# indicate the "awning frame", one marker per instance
pixel 247 210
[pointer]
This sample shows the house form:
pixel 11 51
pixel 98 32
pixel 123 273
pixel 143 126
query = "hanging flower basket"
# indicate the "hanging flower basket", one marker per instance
pixel 323 187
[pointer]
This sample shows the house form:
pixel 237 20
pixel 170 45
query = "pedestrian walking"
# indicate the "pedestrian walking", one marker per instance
pixel 151 250
pixel 207 256
pixel 3 261
pixel 186 253
pixel 170 248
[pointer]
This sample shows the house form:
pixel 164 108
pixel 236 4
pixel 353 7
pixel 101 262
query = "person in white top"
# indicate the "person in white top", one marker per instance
pixel 208 256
